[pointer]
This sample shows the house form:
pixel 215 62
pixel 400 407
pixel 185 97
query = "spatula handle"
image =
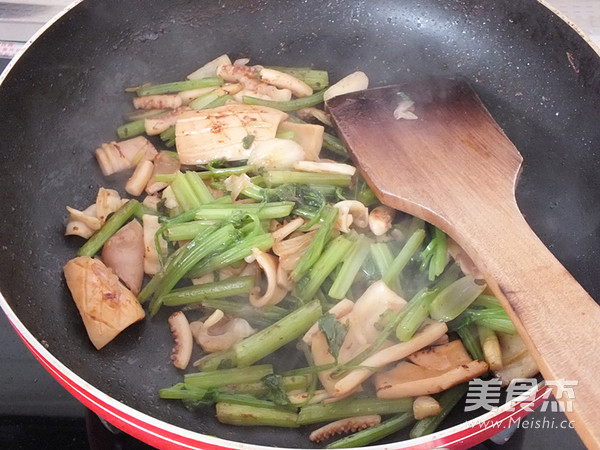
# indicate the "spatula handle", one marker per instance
pixel 556 317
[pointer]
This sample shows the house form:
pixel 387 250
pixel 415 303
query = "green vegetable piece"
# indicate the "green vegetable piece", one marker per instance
pixel 245 415
pixel 110 227
pixel 267 340
pixel 334 332
pixel 178 86
pixel 374 434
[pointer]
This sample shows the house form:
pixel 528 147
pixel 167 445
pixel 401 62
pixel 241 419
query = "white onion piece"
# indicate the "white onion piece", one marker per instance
pixel 356 81
pixel 209 69
pixel 276 153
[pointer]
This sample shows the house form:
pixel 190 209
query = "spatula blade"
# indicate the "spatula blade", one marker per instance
pixel 453 149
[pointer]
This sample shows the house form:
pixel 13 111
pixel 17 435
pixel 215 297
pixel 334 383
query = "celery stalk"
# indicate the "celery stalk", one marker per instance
pixel 325 412
pixel 246 415
pixel 313 252
pixel 290 105
pixel 350 267
pixel 333 254
pixel 279 177
pixel 373 434
pixel 110 227
pixel 131 129
pixel 217 289
pixel 269 339
pixel 402 259
pixel 178 86
pixel 218 378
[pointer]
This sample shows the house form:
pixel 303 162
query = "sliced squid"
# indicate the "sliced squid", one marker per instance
pixel 106 306
pixel 219 333
pixel 117 156
pixel 123 252
pixel 221 133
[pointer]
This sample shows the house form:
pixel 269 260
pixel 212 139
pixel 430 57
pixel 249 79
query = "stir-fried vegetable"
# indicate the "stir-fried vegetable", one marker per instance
pixel 261 240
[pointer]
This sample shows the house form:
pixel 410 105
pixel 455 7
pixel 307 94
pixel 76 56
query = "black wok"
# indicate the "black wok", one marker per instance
pixel 64 96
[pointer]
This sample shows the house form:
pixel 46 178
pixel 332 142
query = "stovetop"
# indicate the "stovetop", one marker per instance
pixel 37 413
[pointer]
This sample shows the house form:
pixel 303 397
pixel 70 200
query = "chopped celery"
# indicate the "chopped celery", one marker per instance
pixel 316 79
pixel 215 290
pixel 131 129
pixel 327 412
pixel 373 434
pixel 334 253
pixel 279 177
pixel 110 227
pixel 350 267
pixel 246 415
pixel 402 259
pixel 178 86
pixel 313 252
pixel 290 105
pixel 218 378
pixel 269 339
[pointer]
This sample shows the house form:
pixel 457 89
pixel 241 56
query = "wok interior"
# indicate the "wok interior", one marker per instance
pixel 65 96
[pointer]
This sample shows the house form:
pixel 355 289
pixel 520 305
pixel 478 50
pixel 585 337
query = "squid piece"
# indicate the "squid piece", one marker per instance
pixel 256 88
pixel 281 232
pixel 351 212
pixel 85 223
pixel 429 371
pixel 284 80
pixel 290 250
pixel 164 163
pixel 380 219
pixel 184 342
pixel 219 133
pixel 151 260
pixel 82 223
pixel 347 425
pixel 114 157
pixel 409 380
pixel 139 179
pixel 164 101
pixel 123 252
pixel 516 360
pixel 107 202
pixel 158 124
pixel 218 333
pixel 274 292
pixel 363 320
pixel 106 306
pixel 234 73
pixel 316 113
pixel 424 337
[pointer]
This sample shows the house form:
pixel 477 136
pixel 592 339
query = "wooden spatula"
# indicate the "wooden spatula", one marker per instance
pixel 454 167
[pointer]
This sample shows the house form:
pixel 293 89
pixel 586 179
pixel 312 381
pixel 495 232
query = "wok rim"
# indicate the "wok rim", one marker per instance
pixel 161 434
